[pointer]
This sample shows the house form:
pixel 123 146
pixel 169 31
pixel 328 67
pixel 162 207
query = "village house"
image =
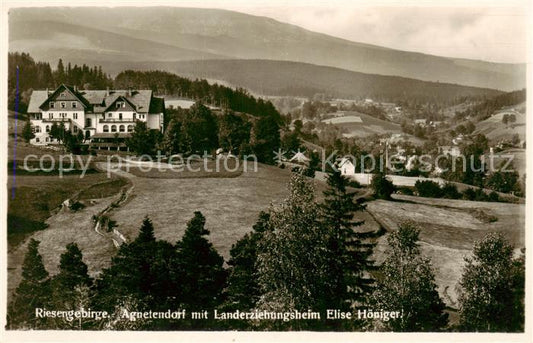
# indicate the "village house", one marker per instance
pixel 453 150
pixel 105 117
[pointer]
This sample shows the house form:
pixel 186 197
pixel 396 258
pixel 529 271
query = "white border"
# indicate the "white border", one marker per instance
pixel 232 336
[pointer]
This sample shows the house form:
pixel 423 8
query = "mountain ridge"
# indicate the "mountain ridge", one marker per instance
pixel 214 34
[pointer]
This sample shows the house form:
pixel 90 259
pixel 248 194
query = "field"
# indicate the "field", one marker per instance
pixel 496 130
pixel 231 205
pixel 355 124
pixel 448 230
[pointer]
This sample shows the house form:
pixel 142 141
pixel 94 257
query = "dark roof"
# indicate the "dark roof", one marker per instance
pixel 101 99
pixel 98 100
pixel 122 98
pixel 157 105
pixel 78 96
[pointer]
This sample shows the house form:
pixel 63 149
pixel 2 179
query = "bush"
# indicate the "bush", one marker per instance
pixel 449 191
pixel 405 190
pixel 469 194
pixel 76 206
pixel 493 197
pixel 382 187
pixel 428 189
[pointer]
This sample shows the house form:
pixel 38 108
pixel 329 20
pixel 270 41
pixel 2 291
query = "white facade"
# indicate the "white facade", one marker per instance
pixel 98 113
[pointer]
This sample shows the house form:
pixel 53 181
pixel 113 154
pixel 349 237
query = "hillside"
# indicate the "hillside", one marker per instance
pixel 495 130
pixel 301 79
pixel 177 34
pixel 355 124
pixel 449 229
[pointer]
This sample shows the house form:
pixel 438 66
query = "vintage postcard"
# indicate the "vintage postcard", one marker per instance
pixel 253 170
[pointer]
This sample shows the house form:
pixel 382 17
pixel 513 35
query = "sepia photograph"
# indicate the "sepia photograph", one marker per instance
pixel 340 170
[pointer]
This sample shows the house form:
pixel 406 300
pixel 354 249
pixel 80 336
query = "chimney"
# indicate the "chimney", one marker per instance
pixel 107 91
pixel 129 91
pixel 47 92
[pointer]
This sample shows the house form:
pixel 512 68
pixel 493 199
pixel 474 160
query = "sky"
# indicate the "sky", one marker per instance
pixel 472 29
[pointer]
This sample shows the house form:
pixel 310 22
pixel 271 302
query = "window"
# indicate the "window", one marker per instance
pixel 37 129
pixel 47 128
pixel 121 104
pixel 63 104
pixel 121 128
pixel 113 128
pixel 63 115
pixel 74 104
pixel 110 115
pixel 134 116
pixel 52 104
pixel 47 139
pixel 37 140
pixel 63 94
pixel 50 115
pixel 88 122
pixel 106 128
pixel 130 128
pixel 75 115
pixel 120 116
pixel 75 129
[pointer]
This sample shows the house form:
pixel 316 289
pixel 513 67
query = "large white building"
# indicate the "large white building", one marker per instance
pixel 104 116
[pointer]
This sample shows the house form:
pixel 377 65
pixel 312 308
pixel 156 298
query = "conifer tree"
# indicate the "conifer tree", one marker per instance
pixel 32 292
pixel 352 253
pixel 146 233
pixel 408 285
pixel 243 290
pixel 202 276
pixel 73 272
pixel 27 133
pixel 140 272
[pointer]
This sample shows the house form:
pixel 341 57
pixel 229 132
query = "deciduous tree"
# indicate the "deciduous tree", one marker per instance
pixel 492 285
pixel 408 285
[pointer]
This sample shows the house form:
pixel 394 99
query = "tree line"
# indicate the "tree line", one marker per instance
pixel 39 75
pixel 161 82
pixel 301 255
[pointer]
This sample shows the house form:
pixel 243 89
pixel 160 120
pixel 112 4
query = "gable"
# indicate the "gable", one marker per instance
pixel 64 94
pixel 120 104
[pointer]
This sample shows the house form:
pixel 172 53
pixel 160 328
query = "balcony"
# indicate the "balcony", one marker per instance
pixel 116 120
pixel 56 120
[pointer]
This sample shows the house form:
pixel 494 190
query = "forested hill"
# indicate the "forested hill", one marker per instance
pixel 39 75
pixel 281 78
pixel 170 84
pixel 486 108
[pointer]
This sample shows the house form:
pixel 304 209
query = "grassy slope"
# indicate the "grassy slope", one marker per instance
pixel 495 130
pixel 230 205
pixel 368 126
pixel 448 230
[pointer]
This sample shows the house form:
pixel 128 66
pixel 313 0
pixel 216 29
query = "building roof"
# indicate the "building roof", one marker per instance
pixel 36 99
pixel 99 100
pixel 344 161
pixel 299 157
